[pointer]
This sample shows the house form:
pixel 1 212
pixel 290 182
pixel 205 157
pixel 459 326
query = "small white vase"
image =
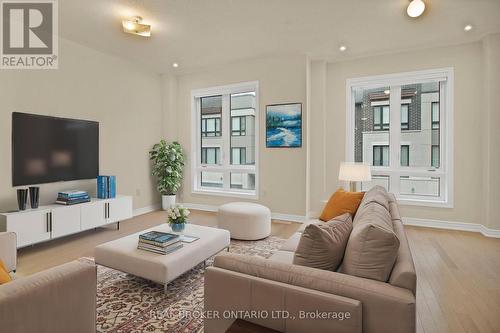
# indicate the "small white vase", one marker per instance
pixel 167 201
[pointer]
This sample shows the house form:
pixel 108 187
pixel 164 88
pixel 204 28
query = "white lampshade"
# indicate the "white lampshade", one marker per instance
pixel 355 172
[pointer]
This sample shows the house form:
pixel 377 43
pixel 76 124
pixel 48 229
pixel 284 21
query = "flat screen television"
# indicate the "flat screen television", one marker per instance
pixel 49 149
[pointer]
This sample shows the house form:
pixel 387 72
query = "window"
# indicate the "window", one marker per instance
pixel 404 116
pixel 405 155
pixel 381 118
pixel 411 149
pixel 225 144
pixel 238 126
pixel 211 107
pixel 435 115
pixel 210 155
pixel 238 156
pixel 380 155
pixel 435 156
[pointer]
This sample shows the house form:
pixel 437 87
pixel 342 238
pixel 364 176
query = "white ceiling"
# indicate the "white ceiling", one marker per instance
pixel 200 33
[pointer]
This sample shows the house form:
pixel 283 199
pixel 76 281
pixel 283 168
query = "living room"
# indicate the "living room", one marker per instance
pixel 237 166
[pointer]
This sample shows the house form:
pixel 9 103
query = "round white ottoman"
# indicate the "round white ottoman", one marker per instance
pixel 245 220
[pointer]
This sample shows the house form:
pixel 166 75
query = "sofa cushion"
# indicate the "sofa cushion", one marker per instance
pixel 373 246
pixel 376 194
pixel 322 245
pixel 341 202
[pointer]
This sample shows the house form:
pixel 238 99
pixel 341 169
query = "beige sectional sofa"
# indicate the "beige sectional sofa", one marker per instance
pixel 58 300
pixel 292 298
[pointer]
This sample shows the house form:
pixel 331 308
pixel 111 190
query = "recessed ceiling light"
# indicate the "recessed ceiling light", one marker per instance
pixel 415 8
pixel 135 26
pixel 175 65
pixel 342 48
pixel 468 27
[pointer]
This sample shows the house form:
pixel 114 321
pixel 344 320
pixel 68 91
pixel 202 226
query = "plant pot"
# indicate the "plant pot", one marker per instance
pixel 178 227
pixel 167 201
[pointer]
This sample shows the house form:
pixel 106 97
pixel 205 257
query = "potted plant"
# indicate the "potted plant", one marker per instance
pixel 168 161
pixel 177 218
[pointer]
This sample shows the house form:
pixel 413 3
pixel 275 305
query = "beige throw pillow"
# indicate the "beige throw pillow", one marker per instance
pixel 373 246
pixel 322 245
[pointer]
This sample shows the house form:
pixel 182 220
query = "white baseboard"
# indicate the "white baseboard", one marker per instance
pixel 288 217
pixel 206 208
pixel 451 225
pixel 147 209
pixel 275 216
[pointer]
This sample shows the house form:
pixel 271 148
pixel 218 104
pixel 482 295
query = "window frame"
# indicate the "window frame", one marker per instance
pixel 380 126
pixel 435 122
pixel 407 147
pixel 406 125
pixel 217 153
pixel 217 133
pixel 243 129
pixel 241 150
pixel 445 77
pixel 225 159
pixel 380 147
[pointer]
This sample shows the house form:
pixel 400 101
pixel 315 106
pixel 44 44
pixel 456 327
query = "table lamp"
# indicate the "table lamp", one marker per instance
pixel 354 172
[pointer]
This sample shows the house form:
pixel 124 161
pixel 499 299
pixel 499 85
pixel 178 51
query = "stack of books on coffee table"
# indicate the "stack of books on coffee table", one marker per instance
pixel 159 242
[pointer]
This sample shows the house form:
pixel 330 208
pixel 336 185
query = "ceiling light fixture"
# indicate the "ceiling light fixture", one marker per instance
pixel 342 48
pixel 387 92
pixel 415 8
pixel 175 65
pixel 468 27
pixel 135 26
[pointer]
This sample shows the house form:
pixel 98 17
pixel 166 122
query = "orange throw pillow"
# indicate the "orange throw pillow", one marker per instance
pixel 4 275
pixel 341 202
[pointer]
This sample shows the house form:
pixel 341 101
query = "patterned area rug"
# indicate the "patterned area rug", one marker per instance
pixel 126 303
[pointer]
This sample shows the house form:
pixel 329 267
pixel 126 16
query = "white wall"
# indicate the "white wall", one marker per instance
pixel 89 85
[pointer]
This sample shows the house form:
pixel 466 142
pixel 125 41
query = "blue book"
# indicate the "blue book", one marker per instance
pixel 158 236
pixel 102 187
pixel 111 187
pixel 72 194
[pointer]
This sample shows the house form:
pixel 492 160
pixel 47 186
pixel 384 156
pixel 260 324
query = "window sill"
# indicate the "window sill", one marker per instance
pixel 230 194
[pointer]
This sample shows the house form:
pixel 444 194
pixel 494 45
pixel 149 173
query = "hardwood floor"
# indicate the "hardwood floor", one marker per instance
pixel 458 272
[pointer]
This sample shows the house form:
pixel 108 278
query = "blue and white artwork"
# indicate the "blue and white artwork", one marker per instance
pixel 284 125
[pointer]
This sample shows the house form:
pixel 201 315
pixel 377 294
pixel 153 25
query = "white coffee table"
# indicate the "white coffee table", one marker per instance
pixel 122 254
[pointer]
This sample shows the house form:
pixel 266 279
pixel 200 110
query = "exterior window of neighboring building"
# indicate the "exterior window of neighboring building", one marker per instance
pixel 210 155
pixel 435 156
pixel 225 140
pixel 210 127
pixel 422 175
pixel 381 155
pixel 405 155
pixel 435 115
pixel 238 156
pixel 404 116
pixel 381 118
pixel 238 126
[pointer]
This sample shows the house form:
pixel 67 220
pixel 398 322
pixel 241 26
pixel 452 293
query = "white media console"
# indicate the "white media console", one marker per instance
pixel 53 221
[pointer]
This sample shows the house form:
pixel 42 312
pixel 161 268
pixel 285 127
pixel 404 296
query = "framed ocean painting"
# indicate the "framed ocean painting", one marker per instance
pixel 284 125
